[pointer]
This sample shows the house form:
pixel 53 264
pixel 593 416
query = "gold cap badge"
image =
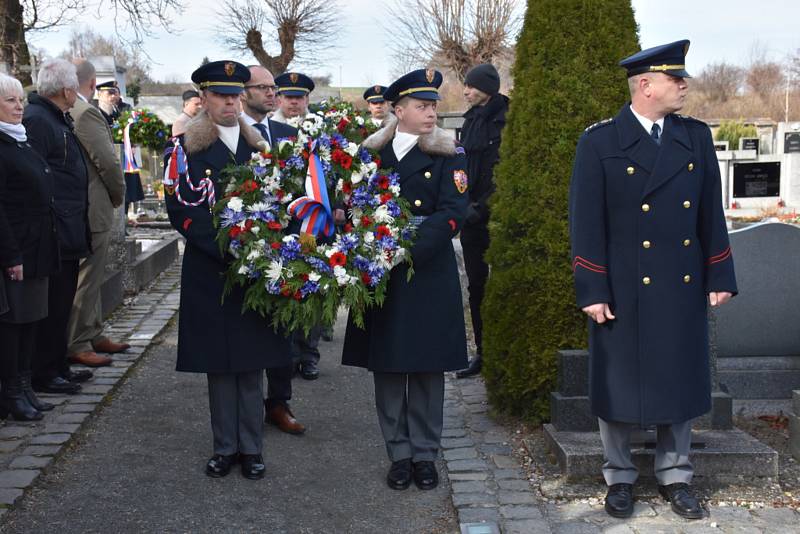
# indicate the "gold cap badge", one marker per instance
pixel 230 68
pixel 294 77
pixel 429 75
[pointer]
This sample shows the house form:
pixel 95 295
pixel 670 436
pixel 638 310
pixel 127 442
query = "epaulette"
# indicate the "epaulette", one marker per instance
pixel 690 119
pixel 604 122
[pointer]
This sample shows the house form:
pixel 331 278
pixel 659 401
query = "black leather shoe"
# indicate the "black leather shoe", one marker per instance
pixel 682 501
pixel 252 466
pixel 425 475
pixel 81 375
pixel 219 465
pixel 57 385
pixel 399 477
pixel 474 368
pixel 309 370
pixel 619 500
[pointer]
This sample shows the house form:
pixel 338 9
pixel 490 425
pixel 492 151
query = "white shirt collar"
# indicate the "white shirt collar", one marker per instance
pixel 82 97
pixel 647 124
pixel 251 121
pixel 230 136
pixel 403 143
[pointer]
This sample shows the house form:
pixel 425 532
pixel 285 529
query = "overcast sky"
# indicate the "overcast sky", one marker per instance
pixel 719 30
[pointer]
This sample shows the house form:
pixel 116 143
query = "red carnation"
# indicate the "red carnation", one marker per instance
pixel 280 194
pixel 386 197
pixel 347 161
pixel 248 225
pixel 348 228
pixel 274 225
pixel 382 231
pixel 282 163
pixel 275 246
pixel 297 295
pixel 383 182
pixel 250 186
pixel 234 232
pixel 377 162
pixel 337 259
pixel 347 188
pixel 304 277
pixel 366 278
pixel 365 221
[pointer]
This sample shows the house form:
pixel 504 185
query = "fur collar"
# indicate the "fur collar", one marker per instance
pixel 201 133
pixel 436 143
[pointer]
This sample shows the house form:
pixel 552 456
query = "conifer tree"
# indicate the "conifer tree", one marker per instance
pixel 566 77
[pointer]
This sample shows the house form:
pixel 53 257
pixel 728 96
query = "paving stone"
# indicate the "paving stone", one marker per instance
pixel 508 473
pixel 18 478
pixel 105 381
pixel 61 428
pixel 477 515
pixel 466 465
pixel 15 431
pixel 495 448
pixel 520 512
pixel 41 450
pixel 467 476
pixel 120 364
pixel 505 462
pixel 461 500
pixel 460 454
pixel 454 443
pixel 50 439
pixel 30 462
pixel 79 408
pixel 514 484
pixel 478 408
pixel 515 497
pixel 526 526
pixel 777 515
pixel 9 496
pixel 98 389
pixel 454 432
pixel 10 445
pixel 138 342
pixel 72 418
pixel 576 528
pixel 619 528
pixel 468 486
pixel 86 399
pixel 729 515
pixel 495 437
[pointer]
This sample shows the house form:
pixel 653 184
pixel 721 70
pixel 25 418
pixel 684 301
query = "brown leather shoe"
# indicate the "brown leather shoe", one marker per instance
pixel 106 345
pixel 89 359
pixel 282 417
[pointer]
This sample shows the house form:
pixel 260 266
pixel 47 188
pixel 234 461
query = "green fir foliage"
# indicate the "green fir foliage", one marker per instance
pixel 732 131
pixel 565 78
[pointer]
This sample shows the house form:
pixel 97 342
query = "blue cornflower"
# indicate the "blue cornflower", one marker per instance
pixel 348 243
pixel 319 265
pixel 230 218
pixel 394 209
pixel 361 263
pixel 309 287
pixel 273 288
pixel 290 250
pixel 364 155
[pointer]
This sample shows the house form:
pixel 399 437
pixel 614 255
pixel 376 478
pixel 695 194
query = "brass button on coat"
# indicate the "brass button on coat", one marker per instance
pixel 687 242
pixel 427 174
pixel 631 170
pixel 418 203
pixel 646 244
pixel 687 278
pixel 687 204
pixel 645 207
pixel 691 167
pixel 646 280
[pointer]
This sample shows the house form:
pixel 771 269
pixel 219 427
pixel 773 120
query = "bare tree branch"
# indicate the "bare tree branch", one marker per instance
pixel 305 30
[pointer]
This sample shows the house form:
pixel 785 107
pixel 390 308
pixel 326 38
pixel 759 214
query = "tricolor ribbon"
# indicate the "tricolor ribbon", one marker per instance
pixel 129 163
pixel 177 166
pixel 314 209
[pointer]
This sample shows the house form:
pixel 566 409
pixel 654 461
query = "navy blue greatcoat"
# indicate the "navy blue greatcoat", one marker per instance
pixel 215 336
pixel 420 328
pixel 649 237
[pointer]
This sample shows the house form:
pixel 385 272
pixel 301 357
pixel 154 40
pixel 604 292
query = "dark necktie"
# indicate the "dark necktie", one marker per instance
pixel 654 133
pixel 264 131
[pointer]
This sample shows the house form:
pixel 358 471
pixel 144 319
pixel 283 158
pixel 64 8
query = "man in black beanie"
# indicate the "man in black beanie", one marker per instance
pixel 480 136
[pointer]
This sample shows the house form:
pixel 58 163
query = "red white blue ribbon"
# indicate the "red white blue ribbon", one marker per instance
pixel 129 158
pixel 314 209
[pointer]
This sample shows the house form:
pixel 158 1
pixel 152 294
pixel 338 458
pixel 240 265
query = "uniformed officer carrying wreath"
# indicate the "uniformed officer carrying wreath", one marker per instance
pixel 419 333
pixel 216 337
pixel 650 251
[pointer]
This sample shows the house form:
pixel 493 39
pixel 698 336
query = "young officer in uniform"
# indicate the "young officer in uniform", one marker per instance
pixel 650 252
pixel 419 332
pixel 294 89
pixel 214 336
pixel 378 107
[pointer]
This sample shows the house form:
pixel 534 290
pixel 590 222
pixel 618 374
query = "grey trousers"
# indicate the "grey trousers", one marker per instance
pixel 672 463
pixel 86 320
pixel 410 413
pixel 236 403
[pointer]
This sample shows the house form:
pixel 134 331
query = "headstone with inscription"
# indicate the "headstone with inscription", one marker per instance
pixel 759 179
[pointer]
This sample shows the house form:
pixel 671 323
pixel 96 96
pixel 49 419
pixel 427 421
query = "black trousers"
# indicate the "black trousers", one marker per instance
pixel 305 347
pixel 475 242
pixel 50 357
pixel 279 386
pixel 16 346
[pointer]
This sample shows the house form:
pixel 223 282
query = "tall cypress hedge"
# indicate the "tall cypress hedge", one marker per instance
pixel 565 78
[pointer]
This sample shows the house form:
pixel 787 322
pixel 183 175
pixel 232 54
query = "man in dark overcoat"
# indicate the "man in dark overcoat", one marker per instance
pixel 214 335
pixel 419 332
pixel 650 252
pixel 480 137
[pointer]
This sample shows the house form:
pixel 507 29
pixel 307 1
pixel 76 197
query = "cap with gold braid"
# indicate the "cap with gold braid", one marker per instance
pixel 224 77
pixel 669 58
pixel 374 94
pixel 422 84
pixel 294 84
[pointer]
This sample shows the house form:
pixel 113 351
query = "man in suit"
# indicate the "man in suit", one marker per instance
pixel 106 192
pixel 214 336
pixel 258 100
pixel 409 357
pixel 650 252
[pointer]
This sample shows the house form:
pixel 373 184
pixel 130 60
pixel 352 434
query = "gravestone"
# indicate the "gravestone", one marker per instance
pixel 760 179
pixel 758 332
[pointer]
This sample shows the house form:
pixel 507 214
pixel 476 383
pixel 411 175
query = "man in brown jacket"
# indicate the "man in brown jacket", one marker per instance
pixel 106 192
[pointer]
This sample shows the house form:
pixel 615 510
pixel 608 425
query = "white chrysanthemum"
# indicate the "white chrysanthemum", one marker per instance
pixel 290 238
pixel 359 120
pixel 355 215
pixel 339 184
pixel 258 206
pixel 357 176
pixel 255 230
pixel 395 189
pixel 369 238
pixel 235 204
pixel 274 271
pixel 243 269
pixel 314 277
pixel 254 254
pixel 382 214
pixel 307 125
pixel 351 149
